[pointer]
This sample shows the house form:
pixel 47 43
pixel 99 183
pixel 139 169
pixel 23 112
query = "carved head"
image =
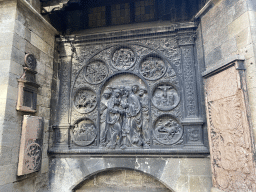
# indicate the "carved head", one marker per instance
pixel 135 88
pixel 142 92
pixel 107 94
pixel 125 92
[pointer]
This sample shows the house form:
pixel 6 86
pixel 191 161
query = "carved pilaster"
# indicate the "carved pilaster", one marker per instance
pixel 186 43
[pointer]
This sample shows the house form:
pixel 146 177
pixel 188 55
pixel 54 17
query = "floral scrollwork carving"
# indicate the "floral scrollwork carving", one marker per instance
pixel 33 156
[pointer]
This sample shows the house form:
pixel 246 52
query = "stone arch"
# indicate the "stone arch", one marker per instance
pixel 68 173
pixel 116 172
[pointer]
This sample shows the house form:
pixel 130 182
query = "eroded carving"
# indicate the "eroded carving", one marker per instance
pixel 30 61
pixel 95 72
pixel 84 100
pixel 123 58
pixel 33 156
pixel 152 67
pixel 193 134
pixel 233 165
pixel 84 132
pixel 165 97
pixel 167 130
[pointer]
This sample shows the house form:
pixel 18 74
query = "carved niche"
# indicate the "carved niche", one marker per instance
pixel 27 91
pixel 129 98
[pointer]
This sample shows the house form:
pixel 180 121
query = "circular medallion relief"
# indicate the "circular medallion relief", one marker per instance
pixel 95 72
pixel 167 130
pixel 30 61
pixel 123 58
pixel 33 156
pixel 152 67
pixel 165 96
pixel 84 132
pixel 84 100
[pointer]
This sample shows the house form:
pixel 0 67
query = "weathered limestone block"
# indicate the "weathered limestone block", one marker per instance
pixel 31 145
pixel 230 135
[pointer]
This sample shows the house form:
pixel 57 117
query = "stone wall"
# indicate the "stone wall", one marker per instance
pixel 122 180
pixel 228 39
pixel 228 28
pixel 177 174
pixel 23 31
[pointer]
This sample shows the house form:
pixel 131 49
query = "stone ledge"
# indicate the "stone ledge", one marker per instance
pixel 222 65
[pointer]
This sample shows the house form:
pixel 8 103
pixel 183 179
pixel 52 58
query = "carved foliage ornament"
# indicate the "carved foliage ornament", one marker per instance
pixel 33 156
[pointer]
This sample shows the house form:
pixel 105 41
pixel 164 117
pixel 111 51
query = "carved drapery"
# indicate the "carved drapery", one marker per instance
pixel 135 97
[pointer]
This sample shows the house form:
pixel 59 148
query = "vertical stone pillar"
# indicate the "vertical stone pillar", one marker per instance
pixel 192 119
pixel 229 127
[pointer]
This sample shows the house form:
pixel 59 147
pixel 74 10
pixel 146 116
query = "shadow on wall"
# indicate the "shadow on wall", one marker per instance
pixel 120 180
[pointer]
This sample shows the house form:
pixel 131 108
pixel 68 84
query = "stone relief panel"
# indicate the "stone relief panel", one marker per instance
pixel 84 100
pixel 165 96
pixel 95 72
pixel 132 95
pixel 124 104
pixel 229 133
pixel 84 132
pixel 152 67
pixel 123 58
pixel 167 130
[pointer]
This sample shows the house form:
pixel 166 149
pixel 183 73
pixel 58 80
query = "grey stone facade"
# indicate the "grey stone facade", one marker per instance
pixel 221 30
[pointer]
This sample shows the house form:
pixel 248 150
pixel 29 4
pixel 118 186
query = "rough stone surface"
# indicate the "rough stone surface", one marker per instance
pixel 122 180
pixel 229 128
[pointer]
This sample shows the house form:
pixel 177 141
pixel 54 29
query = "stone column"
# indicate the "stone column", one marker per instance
pixel 229 127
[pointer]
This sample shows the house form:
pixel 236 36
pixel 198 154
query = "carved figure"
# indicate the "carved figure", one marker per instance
pixel 84 133
pixel 114 119
pixel 131 118
pixel 123 118
pixel 85 100
pixel 152 68
pixel 167 130
pixel 123 58
pixel 165 97
pixel 193 134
